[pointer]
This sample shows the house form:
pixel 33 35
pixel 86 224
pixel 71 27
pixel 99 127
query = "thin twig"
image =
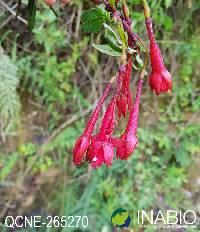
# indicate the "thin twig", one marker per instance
pixel 78 21
pixel 5 22
pixel 13 12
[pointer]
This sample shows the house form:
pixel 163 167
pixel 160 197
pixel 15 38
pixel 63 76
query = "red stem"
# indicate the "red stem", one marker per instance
pixel 133 119
pixel 91 124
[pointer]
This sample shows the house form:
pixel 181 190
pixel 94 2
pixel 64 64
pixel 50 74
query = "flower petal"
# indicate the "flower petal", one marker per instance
pixel 98 159
pixel 80 149
pixel 108 153
pixel 131 143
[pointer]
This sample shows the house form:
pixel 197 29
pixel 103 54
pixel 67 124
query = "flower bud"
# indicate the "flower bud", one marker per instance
pixel 101 149
pixel 80 149
pixel 83 142
pixel 160 79
pixel 50 2
pixel 128 140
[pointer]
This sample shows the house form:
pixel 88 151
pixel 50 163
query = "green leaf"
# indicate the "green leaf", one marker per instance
pixel 139 60
pixel 9 99
pixel 31 14
pixel 93 19
pixel 106 49
pixel 122 36
pixel 112 38
pixel 168 3
pixel 132 51
pixel 104 12
pixel 134 66
pixel 8 165
pixel 111 34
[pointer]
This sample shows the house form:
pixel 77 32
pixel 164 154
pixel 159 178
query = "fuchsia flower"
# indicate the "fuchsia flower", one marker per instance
pixel 80 148
pixel 126 85
pixel 160 79
pixel 101 149
pixel 83 142
pixel 124 98
pixel 128 140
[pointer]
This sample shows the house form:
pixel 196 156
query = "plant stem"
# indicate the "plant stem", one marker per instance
pixel 146 9
pixel 126 23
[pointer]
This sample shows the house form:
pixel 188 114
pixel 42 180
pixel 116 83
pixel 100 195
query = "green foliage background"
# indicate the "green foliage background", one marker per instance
pixel 60 77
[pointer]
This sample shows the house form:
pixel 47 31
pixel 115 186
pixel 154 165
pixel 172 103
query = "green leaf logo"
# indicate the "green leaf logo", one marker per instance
pixel 120 218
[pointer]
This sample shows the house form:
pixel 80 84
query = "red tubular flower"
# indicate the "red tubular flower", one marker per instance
pixel 126 84
pixel 101 149
pixel 80 148
pixel 128 140
pixel 83 142
pixel 160 79
pixel 124 98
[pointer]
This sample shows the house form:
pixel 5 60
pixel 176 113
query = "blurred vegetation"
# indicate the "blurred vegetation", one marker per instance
pixel 59 76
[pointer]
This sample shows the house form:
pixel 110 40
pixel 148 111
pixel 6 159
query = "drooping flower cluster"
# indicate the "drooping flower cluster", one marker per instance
pixel 100 148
